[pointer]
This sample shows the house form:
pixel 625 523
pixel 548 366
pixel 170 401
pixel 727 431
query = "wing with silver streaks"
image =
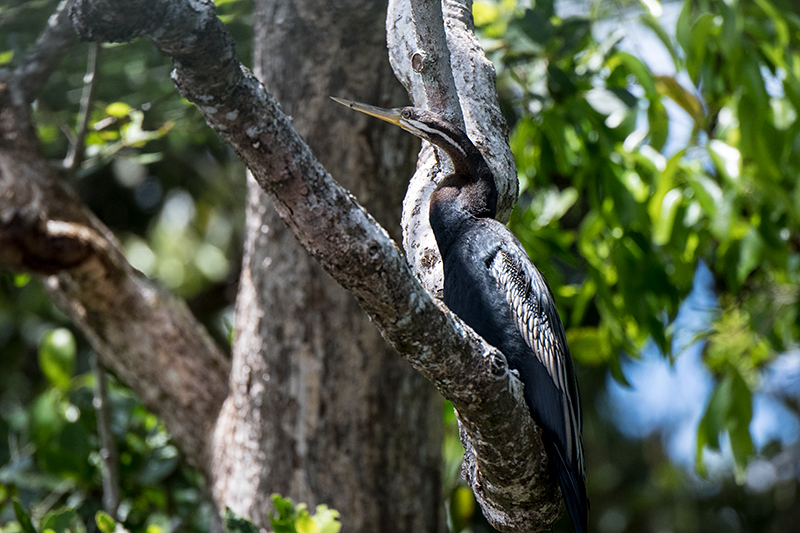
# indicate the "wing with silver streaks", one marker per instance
pixel 534 310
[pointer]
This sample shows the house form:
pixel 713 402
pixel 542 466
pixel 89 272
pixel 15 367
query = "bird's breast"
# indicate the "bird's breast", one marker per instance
pixel 472 293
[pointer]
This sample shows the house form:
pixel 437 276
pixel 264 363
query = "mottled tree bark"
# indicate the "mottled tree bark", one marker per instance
pixel 507 465
pixel 321 409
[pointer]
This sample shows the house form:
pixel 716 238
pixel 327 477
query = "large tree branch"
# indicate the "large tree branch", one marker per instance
pixel 509 466
pixel 146 336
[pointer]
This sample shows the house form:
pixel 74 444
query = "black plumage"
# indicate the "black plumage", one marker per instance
pixel 492 285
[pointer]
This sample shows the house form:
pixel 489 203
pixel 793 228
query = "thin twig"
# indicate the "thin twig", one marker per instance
pixel 75 154
pixel 108 450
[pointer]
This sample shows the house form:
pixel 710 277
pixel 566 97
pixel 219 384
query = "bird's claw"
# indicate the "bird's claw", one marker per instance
pixel 499 365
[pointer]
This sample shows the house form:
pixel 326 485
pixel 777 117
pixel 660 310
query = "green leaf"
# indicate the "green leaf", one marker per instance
pixel 46 420
pixel 61 520
pixel 738 424
pixel 658 121
pixel 236 524
pixel 731 410
pixel 704 29
pixel 750 254
pixel 23 518
pixel 57 357
pixel 707 191
pixel 683 27
pixel 105 522
pixel 617 373
pixel 712 423
pixel 662 226
pixel 285 516
pixel 588 345
pixel 643 74
pixel 669 87
pixel 655 26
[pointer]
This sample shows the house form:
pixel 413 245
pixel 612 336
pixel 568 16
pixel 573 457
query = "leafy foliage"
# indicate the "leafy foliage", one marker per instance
pixel 618 211
pixel 290 518
pixel 52 458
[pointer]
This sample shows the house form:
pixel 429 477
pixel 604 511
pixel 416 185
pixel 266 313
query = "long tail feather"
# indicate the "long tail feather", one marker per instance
pixel 573 488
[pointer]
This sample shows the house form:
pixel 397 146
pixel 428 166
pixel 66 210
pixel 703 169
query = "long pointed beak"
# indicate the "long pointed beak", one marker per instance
pixel 389 115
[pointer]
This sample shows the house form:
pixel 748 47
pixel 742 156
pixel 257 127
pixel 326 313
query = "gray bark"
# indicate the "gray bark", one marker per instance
pixel 508 462
pixel 321 409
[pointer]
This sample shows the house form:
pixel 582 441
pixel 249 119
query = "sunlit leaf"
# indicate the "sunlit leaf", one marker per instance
pixel 57 351
pixel 669 87
pixel 653 7
pixel 118 109
pixel 662 230
pixel 306 524
pixel 106 523
pixel 327 520
pixel 707 191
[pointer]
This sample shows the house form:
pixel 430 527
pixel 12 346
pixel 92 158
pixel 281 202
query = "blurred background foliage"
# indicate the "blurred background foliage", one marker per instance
pixel 658 152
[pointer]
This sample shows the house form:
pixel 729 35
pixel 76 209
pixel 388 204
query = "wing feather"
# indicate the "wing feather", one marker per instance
pixel 532 305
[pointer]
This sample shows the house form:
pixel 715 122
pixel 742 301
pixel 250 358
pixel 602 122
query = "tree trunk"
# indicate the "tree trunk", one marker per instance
pixel 321 409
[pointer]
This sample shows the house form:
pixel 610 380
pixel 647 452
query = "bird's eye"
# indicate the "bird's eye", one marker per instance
pixel 405 113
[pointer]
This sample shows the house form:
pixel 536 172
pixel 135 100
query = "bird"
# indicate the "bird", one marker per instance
pixel 491 284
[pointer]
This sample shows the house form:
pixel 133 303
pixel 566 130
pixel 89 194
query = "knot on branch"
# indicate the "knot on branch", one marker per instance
pixel 30 243
pixel 116 20
pixel 418 61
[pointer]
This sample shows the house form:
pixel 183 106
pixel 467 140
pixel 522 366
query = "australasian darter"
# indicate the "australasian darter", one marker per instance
pixel 492 285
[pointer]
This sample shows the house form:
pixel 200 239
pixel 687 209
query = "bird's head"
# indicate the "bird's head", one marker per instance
pixel 471 182
pixel 424 124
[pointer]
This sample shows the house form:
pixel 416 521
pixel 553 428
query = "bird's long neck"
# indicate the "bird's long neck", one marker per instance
pixel 469 193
